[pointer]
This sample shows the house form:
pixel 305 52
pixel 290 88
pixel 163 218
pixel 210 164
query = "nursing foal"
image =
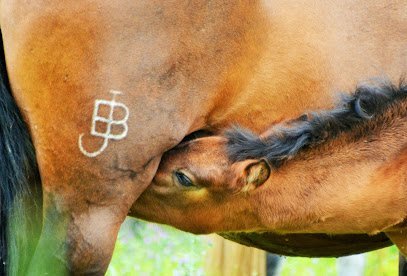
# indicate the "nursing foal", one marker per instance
pixel 338 172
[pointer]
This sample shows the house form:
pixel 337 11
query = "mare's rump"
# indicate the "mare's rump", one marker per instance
pixel 311 245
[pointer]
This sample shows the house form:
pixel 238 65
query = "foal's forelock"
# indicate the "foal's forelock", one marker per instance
pixel 358 114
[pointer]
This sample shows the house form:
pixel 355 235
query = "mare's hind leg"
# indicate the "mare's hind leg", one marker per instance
pixel 65 60
pixel 79 238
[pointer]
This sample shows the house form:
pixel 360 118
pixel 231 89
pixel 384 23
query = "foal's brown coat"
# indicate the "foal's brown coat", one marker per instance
pixel 355 183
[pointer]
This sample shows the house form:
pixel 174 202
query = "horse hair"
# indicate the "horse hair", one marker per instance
pixel 288 139
pixel 18 177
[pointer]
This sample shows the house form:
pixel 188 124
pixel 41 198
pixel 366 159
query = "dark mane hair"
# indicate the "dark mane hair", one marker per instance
pixel 286 140
pixel 19 184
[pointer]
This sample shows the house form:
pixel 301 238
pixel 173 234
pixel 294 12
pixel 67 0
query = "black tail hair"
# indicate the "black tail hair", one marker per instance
pixel 287 140
pixel 19 182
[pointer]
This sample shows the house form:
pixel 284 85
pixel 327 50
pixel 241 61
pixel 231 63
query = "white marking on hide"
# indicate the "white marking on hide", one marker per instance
pixel 108 121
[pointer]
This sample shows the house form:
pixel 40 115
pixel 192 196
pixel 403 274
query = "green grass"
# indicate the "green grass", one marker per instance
pixel 149 249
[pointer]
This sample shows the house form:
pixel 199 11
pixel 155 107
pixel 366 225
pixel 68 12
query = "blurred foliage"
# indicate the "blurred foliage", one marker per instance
pixel 150 249
pixel 382 262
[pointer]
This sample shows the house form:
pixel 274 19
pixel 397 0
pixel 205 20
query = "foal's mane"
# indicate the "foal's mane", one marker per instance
pixel 364 111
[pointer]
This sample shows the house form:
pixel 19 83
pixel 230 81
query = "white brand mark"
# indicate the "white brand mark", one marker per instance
pixel 107 122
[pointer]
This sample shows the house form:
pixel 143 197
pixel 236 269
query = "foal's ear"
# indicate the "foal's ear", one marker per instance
pixel 255 173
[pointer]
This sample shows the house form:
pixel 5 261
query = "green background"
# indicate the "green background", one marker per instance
pixel 150 249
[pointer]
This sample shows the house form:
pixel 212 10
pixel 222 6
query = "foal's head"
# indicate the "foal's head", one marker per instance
pixel 195 181
pixel 203 164
pixel 220 183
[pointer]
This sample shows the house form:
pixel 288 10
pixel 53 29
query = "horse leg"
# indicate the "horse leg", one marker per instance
pixel 399 238
pixel 80 239
pixel 402 265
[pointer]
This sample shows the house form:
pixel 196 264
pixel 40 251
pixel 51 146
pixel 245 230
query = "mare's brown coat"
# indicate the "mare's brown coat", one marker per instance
pixel 182 66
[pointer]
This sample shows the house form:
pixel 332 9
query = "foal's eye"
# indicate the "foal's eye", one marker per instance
pixel 183 179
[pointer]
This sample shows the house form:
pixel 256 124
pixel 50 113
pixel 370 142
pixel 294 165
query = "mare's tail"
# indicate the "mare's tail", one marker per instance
pixel 20 200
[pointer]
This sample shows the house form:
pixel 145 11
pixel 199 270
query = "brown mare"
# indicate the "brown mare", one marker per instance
pixel 337 172
pixel 181 66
